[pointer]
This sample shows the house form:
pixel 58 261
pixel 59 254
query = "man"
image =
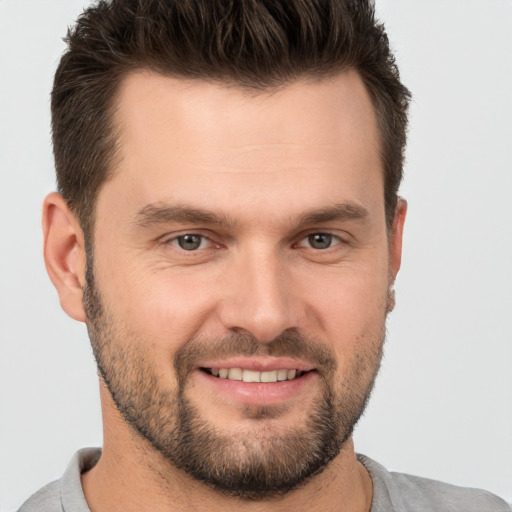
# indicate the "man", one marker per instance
pixel 228 227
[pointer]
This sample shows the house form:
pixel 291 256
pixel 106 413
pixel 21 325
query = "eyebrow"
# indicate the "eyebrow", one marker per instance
pixel 154 214
pixel 165 214
pixel 339 212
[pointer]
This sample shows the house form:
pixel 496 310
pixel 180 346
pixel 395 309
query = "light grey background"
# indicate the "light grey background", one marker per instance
pixel 443 403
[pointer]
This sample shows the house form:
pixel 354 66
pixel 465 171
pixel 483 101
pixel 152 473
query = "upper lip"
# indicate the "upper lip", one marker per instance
pixel 261 364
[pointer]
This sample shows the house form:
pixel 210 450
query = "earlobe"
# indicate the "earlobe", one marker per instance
pixel 64 254
pixel 396 236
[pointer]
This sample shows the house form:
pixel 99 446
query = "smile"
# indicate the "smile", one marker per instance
pixel 246 375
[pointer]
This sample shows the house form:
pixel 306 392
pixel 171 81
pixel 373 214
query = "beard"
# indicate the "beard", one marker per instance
pixel 260 463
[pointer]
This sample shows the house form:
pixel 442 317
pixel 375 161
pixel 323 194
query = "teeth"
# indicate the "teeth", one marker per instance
pixel 269 376
pixel 251 376
pixel 255 376
pixel 235 374
pixel 282 374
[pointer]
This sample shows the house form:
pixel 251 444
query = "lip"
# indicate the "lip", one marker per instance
pixel 258 393
pixel 261 364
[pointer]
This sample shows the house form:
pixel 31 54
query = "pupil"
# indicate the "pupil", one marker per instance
pixel 320 241
pixel 189 242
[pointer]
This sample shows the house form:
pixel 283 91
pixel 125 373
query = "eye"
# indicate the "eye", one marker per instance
pixel 191 242
pixel 319 241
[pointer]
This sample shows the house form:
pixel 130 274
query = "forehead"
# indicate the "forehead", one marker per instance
pixel 185 110
pixel 197 140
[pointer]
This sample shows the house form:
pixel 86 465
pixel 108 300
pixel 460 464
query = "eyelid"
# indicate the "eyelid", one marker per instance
pixel 336 240
pixel 203 241
pixel 173 240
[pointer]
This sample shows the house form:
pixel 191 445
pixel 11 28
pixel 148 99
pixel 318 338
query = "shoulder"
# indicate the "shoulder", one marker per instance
pixel 408 493
pixel 46 499
pixel 451 497
pixel 66 494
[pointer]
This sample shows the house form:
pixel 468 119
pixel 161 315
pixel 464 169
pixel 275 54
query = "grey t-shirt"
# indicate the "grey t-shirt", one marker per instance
pixel 392 492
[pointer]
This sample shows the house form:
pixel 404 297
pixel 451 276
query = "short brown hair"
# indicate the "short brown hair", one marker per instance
pixel 258 44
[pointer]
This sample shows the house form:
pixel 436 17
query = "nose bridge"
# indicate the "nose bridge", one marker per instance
pixel 261 299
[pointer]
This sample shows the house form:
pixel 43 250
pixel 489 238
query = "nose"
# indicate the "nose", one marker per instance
pixel 260 297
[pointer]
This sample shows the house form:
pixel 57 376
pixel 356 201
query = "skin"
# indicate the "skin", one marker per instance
pixel 263 162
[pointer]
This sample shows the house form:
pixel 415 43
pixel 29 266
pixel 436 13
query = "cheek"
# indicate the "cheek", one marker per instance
pixel 350 309
pixel 162 307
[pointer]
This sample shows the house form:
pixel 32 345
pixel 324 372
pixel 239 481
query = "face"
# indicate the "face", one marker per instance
pixel 237 297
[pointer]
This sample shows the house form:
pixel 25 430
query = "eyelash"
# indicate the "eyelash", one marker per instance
pixel 175 241
pixel 333 239
pixel 330 236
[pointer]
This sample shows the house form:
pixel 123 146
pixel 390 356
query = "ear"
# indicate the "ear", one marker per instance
pixel 64 254
pixel 395 241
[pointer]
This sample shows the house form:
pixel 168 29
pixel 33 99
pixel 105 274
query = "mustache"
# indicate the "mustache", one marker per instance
pixel 290 343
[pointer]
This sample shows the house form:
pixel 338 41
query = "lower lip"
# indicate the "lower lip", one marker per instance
pixel 259 393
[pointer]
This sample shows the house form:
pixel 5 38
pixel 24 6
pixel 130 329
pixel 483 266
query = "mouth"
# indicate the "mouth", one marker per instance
pixel 258 380
pixel 247 375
